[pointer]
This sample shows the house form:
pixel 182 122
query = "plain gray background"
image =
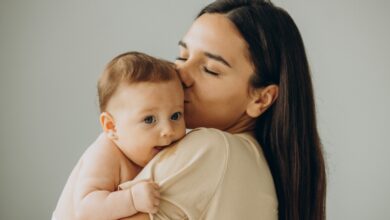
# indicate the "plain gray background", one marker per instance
pixel 51 53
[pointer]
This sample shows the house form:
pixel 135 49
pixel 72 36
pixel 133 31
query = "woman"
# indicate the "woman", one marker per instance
pixel 245 72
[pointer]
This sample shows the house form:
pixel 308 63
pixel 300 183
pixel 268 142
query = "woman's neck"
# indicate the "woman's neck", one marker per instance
pixel 244 124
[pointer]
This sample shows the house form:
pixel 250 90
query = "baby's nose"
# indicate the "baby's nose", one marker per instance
pixel 167 131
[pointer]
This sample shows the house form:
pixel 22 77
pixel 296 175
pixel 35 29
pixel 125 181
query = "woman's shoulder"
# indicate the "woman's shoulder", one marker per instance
pixel 211 145
pixel 215 138
pixel 206 164
pixel 205 135
pixel 203 132
pixel 227 150
pixel 211 135
pixel 206 143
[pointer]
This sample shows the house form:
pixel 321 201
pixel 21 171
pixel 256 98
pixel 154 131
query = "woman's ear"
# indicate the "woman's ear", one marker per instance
pixel 108 124
pixel 261 100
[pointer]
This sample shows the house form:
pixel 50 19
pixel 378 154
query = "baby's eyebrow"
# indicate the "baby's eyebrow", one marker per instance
pixel 148 109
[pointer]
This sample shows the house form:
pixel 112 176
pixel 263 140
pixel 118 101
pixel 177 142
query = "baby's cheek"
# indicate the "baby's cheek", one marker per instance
pixel 182 129
pixel 182 133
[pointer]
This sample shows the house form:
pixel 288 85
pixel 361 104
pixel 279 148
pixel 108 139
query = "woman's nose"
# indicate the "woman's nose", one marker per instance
pixel 185 74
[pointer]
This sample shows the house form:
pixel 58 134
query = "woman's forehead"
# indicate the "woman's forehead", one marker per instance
pixel 216 34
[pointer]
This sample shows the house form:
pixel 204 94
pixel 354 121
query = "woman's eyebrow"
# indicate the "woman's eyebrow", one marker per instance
pixel 181 43
pixel 209 55
pixel 217 58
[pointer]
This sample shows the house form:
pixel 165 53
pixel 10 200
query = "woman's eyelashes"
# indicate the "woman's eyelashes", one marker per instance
pixel 205 69
pixel 181 58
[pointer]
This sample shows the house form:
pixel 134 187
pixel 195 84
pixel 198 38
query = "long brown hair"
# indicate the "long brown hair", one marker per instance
pixel 287 131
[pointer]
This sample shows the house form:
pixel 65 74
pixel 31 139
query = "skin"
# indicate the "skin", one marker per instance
pixel 151 112
pixel 137 129
pixel 214 67
pixel 215 75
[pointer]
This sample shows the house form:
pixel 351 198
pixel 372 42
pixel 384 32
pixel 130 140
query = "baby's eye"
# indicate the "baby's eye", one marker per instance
pixel 176 116
pixel 150 119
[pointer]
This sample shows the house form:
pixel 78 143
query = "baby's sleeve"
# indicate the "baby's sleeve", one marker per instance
pixel 188 174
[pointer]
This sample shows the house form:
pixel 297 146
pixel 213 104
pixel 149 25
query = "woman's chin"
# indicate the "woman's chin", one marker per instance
pixel 190 125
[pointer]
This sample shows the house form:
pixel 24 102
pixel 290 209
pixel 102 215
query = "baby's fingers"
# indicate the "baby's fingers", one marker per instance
pixel 156 194
pixel 155 185
pixel 156 202
pixel 154 210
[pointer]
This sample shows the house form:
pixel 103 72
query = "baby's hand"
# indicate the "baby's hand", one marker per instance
pixel 146 196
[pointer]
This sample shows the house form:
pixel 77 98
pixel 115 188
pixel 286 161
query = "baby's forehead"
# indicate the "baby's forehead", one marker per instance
pixel 149 95
pixel 171 85
pixel 157 105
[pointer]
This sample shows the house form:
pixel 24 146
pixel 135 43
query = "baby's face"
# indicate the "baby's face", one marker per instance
pixel 148 117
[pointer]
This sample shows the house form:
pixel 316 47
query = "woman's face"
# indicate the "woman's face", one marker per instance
pixel 215 67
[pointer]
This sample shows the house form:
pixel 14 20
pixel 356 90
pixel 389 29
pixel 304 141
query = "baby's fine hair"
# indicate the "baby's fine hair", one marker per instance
pixel 132 67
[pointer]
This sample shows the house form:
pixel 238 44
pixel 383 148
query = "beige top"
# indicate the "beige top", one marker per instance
pixel 211 174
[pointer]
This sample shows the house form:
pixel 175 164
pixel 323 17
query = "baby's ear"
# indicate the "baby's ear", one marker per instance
pixel 108 125
pixel 261 100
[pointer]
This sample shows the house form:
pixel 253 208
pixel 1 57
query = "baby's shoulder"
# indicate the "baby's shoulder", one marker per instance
pixel 101 152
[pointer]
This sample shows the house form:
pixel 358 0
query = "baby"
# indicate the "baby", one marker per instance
pixel 141 102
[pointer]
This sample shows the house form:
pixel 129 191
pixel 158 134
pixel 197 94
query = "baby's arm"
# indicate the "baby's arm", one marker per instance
pixel 95 195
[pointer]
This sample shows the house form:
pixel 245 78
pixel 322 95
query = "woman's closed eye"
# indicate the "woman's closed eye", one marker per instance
pixel 205 69
pixel 181 58
pixel 176 116
pixel 150 119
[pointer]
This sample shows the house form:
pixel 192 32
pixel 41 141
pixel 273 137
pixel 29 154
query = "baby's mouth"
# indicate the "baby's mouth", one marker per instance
pixel 159 148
